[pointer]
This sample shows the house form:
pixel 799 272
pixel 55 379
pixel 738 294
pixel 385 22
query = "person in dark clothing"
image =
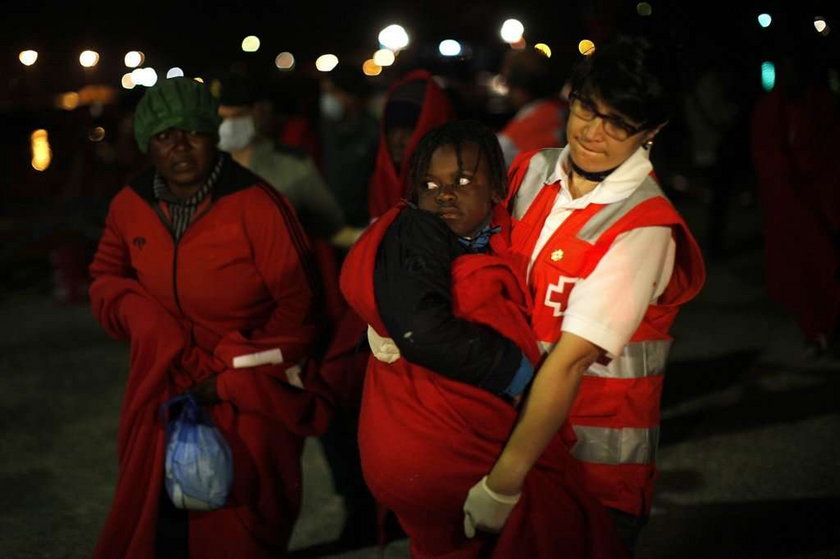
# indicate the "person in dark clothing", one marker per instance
pixel 453 194
pixel 453 350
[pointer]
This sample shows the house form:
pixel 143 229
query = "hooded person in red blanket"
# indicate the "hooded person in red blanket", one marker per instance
pixel 414 105
pixel 205 270
pixel 448 323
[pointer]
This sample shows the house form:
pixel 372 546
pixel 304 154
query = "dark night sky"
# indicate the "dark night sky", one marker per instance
pixel 197 36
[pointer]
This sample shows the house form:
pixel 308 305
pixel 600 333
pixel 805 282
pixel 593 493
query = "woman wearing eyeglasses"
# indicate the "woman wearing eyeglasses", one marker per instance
pixel 608 261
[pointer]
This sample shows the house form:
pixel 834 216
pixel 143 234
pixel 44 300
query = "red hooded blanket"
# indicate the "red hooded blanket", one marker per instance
pixel 387 186
pixel 425 439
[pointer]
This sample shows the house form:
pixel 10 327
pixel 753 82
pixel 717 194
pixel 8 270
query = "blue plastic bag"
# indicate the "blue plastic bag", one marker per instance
pixel 198 471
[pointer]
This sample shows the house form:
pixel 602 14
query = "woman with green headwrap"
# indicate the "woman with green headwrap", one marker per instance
pixel 205 270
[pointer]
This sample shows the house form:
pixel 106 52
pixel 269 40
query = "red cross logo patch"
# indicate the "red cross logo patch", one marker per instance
pixel 556 294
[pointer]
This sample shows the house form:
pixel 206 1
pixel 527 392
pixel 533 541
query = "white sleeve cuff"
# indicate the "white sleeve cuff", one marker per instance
pixel 594 332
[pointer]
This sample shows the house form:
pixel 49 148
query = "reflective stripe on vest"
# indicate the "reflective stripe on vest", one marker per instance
pixel 603 445
pixel 637 360
pixel 611 213
pixel 540 168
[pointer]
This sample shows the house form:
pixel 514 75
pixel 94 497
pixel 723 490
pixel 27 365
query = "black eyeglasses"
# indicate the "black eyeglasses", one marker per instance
pixel 614 126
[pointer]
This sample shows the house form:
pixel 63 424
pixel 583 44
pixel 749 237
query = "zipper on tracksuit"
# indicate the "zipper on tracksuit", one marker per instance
pixel 175 244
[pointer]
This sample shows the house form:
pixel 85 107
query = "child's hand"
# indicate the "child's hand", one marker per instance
pixel 485 509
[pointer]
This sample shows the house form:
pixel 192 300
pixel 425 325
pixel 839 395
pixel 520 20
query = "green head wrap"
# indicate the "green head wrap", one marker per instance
pixel 175 103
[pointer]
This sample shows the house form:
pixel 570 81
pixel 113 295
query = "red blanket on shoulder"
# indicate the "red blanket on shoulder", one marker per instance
pixel 425 440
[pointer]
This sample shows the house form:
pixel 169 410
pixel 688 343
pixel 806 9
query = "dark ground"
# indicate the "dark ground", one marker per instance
pixel 749 452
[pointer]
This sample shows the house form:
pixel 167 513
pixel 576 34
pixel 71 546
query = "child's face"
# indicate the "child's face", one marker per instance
pixel 462 198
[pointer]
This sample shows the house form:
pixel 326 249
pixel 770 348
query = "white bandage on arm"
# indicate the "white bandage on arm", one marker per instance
pixel 606 307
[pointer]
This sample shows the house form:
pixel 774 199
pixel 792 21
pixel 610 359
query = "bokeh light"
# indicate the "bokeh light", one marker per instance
pixel 543 48
pixel 251 43
pixel 586 47
pixel 89 58
pixel 821 25
pixel 765 20
pixel 41 153
pixel 371 68
pixel 449 47
pixel 768 75
pixel 134 58
pixel 127 81
pixel 644 9
pixel 28 57
pixel 394 37
pixel 174 72
pixel 96 134
pixel 512 30
pixel 326 62
pixel 384 57
pixel 69 101
pixel 285 61
pixel 144 76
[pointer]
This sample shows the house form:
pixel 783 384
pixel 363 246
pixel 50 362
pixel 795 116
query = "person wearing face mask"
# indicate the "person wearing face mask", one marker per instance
pixel 349 137
pixel 289 171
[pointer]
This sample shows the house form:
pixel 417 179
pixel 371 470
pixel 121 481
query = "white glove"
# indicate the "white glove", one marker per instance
pixel 486 510
pixel 384 349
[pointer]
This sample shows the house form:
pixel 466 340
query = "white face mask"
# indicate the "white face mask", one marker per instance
pixel 236 133
pixel 331 107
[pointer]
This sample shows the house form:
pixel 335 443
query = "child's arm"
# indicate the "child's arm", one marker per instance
pixel 546 407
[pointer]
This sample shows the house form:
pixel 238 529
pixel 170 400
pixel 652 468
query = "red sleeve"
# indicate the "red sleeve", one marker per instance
pixel 122 305
pixel 283 258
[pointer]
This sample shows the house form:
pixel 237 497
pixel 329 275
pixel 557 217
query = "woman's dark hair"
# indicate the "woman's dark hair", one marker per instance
pixel 631 75
pixel 456 134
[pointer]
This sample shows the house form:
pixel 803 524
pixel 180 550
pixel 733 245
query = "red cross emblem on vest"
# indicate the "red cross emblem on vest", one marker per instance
pixel 556 294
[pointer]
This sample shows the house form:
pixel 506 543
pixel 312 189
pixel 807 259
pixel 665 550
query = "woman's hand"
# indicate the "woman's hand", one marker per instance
pixel 205 391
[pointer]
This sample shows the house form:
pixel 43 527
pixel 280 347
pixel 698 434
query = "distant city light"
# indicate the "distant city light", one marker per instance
pixel 41 153
pixel 384 57
pixel 326 62
pixel 765 20
pixel 89 58
pixel 644 9
pixel 285 61
pixel 371 68
pixel 69 101
pixel 543 48
pixel 134 58
pixel 449 47
pixel 768 75
pixel 251 43
pixel 144 76
pixel 28 57
pixel 96 134
pixel 174 73
pixel 127 81
pixel 512 31
pixel 586 47
pixel 393 37
pixel 498 85
pixel 821 25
